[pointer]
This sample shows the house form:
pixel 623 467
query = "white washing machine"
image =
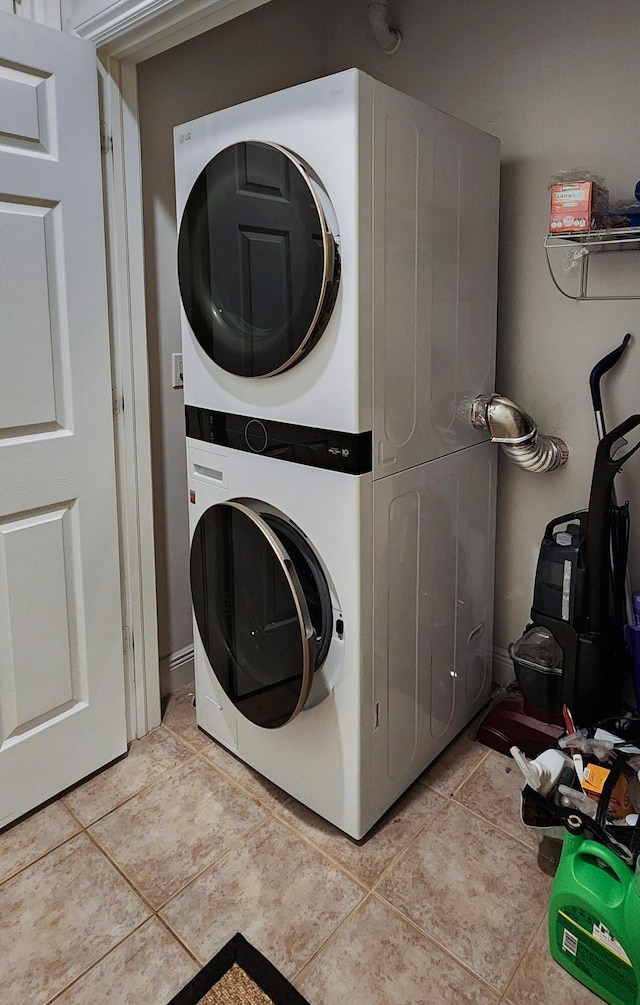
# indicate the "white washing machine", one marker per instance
pixel 337 265
pixel 344 624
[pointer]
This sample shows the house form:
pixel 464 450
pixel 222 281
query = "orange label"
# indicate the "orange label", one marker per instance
pixel 593 781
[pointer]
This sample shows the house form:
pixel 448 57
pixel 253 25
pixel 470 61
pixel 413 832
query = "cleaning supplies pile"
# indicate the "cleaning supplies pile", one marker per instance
pixel 589 786
pixel 594 772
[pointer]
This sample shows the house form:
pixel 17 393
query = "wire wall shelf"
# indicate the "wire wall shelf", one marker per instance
pixel 571 254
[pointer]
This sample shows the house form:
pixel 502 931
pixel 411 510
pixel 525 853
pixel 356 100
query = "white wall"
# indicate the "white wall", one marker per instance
pixel 279 44
pixel 558 83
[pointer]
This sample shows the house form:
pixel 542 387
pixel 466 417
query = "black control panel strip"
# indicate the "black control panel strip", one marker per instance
pixel 319 448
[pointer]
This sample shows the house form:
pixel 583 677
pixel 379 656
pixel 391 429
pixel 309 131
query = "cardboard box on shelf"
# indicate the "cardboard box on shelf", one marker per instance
pixel 577 206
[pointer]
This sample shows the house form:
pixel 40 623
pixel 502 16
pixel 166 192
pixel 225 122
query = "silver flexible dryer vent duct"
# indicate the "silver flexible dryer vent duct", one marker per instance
pixel 388 39
pixel 517 434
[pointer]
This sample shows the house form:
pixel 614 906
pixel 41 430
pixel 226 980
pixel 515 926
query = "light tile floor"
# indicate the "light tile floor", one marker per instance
pixel 119 891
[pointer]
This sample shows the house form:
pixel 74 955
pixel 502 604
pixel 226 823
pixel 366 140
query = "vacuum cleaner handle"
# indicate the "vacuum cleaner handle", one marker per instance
pixel 602 367
pixel 596 548
pixel 605 364
pixel 578 516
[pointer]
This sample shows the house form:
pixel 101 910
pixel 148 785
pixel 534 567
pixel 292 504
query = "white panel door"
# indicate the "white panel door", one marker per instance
pixel 61 669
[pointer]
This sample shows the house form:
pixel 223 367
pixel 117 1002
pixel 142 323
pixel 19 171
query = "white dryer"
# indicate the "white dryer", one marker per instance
pixel 337 265
pixel 344 624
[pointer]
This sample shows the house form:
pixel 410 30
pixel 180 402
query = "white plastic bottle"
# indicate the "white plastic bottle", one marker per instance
pixel 542 773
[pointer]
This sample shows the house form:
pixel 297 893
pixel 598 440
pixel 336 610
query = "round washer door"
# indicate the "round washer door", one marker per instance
pixel 262 607
pixel 258 265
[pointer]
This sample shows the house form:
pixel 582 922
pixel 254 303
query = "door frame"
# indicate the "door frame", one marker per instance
pixel 126 34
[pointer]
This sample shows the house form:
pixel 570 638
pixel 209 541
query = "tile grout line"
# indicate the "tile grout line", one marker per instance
pixel 214 861
pixel 271 813
pixel 95 963
pixel 376 892
pixel 197 750
pixel 143 788
pixel 245 790
pixel 517 966
pixel 432 938
pixel 74 814
pixel 316 848
pixel 276 813
pixel 39 858
pixel 472 772
pixel 449 795
pixel 105 854
pixel 404 851
pixel 155 912
pixel 434 942
pixel 180 941
pixel 491 823
pixel 143 896
pixel 333 935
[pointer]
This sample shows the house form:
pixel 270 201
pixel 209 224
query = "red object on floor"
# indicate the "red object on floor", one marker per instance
pixel 512 721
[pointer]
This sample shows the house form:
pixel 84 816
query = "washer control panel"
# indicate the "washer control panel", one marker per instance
pixel 319 448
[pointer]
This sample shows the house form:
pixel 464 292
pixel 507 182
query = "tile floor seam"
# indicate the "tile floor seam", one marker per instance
pixel 127 799
pixel 120 871
pixel 472 772
pixel 334 934
pixel 432 938
pixel 58 994
pixel 40 857
pixel 273 811
pixel 363 894
pixel 267 802
pixel 321 851
pixel 502 831
pixel 434 942
pixel 73 814
pixel 179 736
pixel 516 968
pixel 196 876
pixel 191 879
pixel 414 837
pixel 403 851
pixel 375 890
pixel 245 791
pixel 180 941
pixel 421 780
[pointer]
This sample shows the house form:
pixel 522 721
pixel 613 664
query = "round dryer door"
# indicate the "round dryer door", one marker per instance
pixel 263 609
pixel 258 265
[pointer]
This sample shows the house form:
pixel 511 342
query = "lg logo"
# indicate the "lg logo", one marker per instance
pixel 184 137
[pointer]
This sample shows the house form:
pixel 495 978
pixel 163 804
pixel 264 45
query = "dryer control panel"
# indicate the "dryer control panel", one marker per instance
pixel 319 448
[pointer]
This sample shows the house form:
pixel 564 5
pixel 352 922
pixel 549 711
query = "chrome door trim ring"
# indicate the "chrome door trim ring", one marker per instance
pixel 306 628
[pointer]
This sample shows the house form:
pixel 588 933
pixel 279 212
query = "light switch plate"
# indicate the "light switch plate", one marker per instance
pixel 176 369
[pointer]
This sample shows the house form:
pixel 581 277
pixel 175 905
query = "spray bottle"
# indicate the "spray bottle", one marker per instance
pixel 544 773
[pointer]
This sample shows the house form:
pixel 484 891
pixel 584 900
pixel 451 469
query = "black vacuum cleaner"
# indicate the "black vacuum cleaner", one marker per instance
pixel 574 651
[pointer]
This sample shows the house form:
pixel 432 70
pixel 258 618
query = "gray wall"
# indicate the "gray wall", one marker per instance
pixel 558 84
pixel 274 46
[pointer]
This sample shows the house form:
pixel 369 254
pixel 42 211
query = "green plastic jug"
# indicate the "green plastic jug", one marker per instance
pixel 594 917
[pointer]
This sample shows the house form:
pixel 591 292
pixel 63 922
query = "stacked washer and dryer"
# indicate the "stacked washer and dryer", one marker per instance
pixel 337 265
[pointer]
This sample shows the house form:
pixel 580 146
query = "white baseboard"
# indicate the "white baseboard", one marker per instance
pixel 176 670
pixel 502 667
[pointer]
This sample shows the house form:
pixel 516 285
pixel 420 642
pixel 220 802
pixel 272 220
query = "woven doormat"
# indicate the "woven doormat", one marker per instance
pixel 239 975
